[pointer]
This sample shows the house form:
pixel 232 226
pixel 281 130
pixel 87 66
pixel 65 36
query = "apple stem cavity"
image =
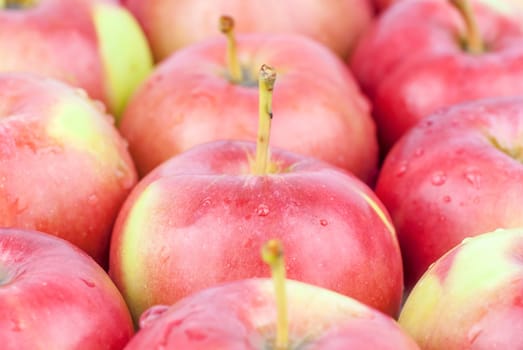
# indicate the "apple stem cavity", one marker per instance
pixel 266 80
pixel 234 67
pixel 473 41
pixel 272 255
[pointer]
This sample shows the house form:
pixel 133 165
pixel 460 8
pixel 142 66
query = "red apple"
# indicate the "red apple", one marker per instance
pixel 458 173
pixel 472 297
pixel 64 169
pixel 191 98
pixel 420 56
pixel 54 296
pixel 173 24
pixel 177 229
pixel 93 44
pixel 242 314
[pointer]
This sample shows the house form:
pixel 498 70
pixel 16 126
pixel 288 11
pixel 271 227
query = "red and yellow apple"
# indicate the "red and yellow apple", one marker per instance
pixel 54 296
pixel 173 24
pixel 242 314
pixel 191 99
pixel 96 45
pixel 458 173
pixel 64 169
pixel 472 297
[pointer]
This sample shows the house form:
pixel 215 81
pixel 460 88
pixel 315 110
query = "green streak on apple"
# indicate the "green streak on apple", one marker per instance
pixel 125 54
pixel 75 124
pixel 132 241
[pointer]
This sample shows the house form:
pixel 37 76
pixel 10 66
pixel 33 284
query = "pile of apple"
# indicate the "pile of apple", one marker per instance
pixel 261 174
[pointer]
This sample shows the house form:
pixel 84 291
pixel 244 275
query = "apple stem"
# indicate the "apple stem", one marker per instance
pixel 235 70
pixel 474 41
pixel 272 255
pixel 266 81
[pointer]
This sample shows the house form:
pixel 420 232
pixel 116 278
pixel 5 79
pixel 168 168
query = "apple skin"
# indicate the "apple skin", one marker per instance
pixel 458 173
pixel 472 297
pixel 411 63
pixel 318 108
pixel 93 44
pixel 64 169
pixel 337 25
pixel 200 219
pixel 242 314
pixel 54 296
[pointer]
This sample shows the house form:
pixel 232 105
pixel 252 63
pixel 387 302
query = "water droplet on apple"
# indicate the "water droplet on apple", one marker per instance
pixel 262 210
pixel 81 92
pixel 439 178
pixel 473 177
pixel 123 175
pixel 206 202
pixel 447 199
pixel 92 199
pixel 473 333
pixel 195 335
pixel 419 152
pixel 99 105
pixel 152 314
pixel 16 325
pixel 324 222
pixel 402 169
pixel 442 218
pixel 20 204
pixel 88 283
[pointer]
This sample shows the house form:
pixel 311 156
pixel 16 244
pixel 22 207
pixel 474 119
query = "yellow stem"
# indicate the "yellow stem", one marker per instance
pixel 234 67
pixel 474 41
pixel 266 81
pixel 272 254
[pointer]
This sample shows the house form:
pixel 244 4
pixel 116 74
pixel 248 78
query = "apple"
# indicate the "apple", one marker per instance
pixel 96 45
pixel 458 173
pixel 208 92
pixel 64 169
pixel 472 297
pixel 54 296
pixel 173 24
pixel 176 230
pixel 247 314
pixel 241 315
pixel 427 54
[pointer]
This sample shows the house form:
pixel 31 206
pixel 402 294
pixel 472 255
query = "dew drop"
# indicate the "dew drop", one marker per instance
pixel 324 222
pixel 151 314
pixel 92 199
pixel 20 204
pixel 439 178
pixel 473 178
pixel 88 283
pixel 402 169
pixel 262 210
pixel 195 335
pixel 206 202
pixel 474 333
pixel 419 152
pixel 16 325
pixel 447 199
pixel 81 92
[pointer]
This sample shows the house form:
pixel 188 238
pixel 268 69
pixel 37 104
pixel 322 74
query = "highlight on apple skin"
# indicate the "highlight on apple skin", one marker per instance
pixel 54 296
pixel 472 297
pixel 64 168
pixel 96 45
pixel 242 314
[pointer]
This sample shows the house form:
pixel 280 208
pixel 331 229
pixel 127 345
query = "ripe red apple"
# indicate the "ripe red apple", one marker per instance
pixel 423 55
pixel 193 98
pixel 93 44
pixel 173 24
pixel 54 296
pixel 458 173
pixel 472 297
pixel 64 169
pixel 242 314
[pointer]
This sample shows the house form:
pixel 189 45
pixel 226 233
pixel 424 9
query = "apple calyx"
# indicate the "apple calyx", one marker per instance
pixel 17 4
pixel 233 66
pixel 473 42
pixel 272 255
pixel 267 77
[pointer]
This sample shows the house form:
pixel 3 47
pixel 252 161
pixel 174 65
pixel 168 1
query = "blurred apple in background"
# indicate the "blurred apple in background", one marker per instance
pixel 426 54
pixel 64 169
pixel 93 44
pixel 193 97
pixel 242 315
pixel 458 173
pixel 177 229
pixel 53 296
pixel 472 297
pixel 173 24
